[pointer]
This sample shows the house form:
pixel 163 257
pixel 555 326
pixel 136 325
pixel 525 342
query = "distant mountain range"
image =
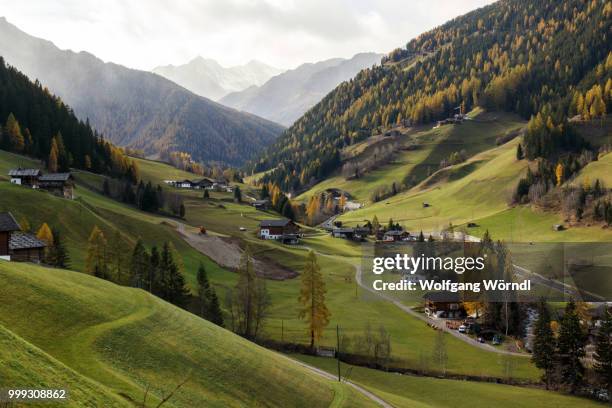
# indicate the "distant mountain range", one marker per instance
pixel 206 77
pixel 136 108
pixel 287 96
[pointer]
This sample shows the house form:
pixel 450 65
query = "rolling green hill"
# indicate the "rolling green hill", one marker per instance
pixel 109 343
pixel 432 146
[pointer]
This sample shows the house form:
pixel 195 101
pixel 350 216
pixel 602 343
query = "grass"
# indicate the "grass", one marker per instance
pixel 434 145
pixel 110 342
pixel 600 169
pixel 423 392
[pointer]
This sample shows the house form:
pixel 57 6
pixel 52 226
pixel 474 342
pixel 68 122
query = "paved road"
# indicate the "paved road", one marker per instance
pixel 439 324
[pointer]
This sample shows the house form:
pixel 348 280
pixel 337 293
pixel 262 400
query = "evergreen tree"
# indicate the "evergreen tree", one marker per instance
pixel 287 210
pixel 312 299
pixel 603 352
pixel 203 291
pixel 173 288
pixel 58 254
pixel 519 152
pixel 153 277
pixel 139 266
pixel 571 344
pixel 237 194
pixel 421 237
pixel 544 345
pixel 182 210
pixel 206 195
pixel 214 311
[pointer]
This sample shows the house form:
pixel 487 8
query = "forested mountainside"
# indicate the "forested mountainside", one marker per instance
pixel 525 57
pixel 39 124
pixel 138 109
pixel 287 96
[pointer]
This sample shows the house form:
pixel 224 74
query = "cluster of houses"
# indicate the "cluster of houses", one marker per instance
pixel 205 183
pixel 16 245
pixel 361 233
pixel 61 184
pixel 456 119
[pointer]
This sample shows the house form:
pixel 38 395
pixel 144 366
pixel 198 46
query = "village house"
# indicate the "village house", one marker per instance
pixel 24 247
pixel 8 226
pixel 261 204
pixel 61 184
pixel 204 183
pixel 16 245
pixel 355 234
pixel 25 177
pixel 283 230
pixel 444 304
pixel 396 235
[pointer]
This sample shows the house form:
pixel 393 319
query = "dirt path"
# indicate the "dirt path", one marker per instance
pixel 226 252
pixel 329 376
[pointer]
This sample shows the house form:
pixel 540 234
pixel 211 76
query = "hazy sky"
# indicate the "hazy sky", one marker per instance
pixel 146 33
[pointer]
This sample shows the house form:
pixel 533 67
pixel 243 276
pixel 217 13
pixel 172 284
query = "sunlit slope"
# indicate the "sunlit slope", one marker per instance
pixel 433 145
pixel 124 340
pixel 480 187
pixel 23 365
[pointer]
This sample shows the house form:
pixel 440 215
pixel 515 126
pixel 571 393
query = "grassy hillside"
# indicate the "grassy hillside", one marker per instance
pixel 423 392
pixel 600 169
pixel 433 145
pixel 120 340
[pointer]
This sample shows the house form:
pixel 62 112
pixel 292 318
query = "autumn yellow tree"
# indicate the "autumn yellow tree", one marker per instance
pixel 96 261
pixel 559 174
pixel 312 299
pixel 44 234
pixel 52 162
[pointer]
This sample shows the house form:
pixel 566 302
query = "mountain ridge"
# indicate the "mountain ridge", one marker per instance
pixel 287 96
pixel 137 109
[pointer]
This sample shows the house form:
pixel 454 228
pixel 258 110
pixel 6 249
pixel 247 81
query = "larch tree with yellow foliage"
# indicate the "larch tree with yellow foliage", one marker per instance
pixel 312 299
pixel 44 234
pixel 559 174
pixel 96 260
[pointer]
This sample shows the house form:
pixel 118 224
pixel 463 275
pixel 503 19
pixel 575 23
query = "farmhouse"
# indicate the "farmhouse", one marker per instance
pixel 61 184
pixel 356 234
pixel 261 204
pixel 25 177
pixel 205 183
pixel 26 247
pixel 396 235
pixel 8 226
pixel 17 245
pixel 283 230
pixel 444 304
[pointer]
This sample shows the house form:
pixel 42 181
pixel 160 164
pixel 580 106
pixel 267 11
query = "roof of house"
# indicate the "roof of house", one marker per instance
pixel 343 230
pixel 55 177
pixel 443 296
pixel 23 240
pixel 202 181
pixel 8 223
pixel 396 232
pixel 275 223
pixel 24 172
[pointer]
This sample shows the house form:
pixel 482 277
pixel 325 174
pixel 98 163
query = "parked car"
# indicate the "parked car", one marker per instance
pixel 461 329
pixel 481 340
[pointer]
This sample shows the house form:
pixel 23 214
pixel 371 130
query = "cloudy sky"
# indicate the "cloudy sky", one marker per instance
pixel 147 33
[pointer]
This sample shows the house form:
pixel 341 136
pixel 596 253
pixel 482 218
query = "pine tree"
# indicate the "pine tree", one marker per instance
pixel 519 152
pixel 287 210
pixel 603 352
pixel 312 299
pixel 139 266
pixel 544 345
pixel 214 311
pixel 59 254
pixel 153 277
pixel 206 195
pixel 117 252
pixel 571 348
pixel 172 281
pixel 203 291
pixel 237 194
pixel 375 225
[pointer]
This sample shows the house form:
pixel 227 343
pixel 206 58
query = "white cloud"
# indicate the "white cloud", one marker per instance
pixel 146 33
